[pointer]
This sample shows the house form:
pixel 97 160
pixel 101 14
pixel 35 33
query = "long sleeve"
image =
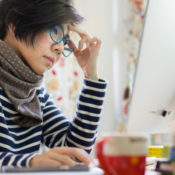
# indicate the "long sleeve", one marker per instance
pixel 81 132
pixel 17 160
pixel 17 144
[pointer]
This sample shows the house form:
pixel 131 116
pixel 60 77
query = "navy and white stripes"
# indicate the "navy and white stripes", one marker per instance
pixel 19 144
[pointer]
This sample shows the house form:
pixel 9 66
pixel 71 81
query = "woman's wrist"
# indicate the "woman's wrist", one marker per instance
pixel 92 76
pixel 32 162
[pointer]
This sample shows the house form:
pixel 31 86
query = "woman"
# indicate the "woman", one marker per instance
pixel 34 35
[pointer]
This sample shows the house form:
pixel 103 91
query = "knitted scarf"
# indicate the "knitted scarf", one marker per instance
pixel 19 83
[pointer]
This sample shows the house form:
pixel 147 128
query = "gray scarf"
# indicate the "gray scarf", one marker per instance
pixel 19 83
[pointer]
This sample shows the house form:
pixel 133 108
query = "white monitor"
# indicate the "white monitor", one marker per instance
pixel 152 105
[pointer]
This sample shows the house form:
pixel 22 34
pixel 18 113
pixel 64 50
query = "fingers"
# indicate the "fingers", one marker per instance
pixel 85 38
pixel 79 154
pixel 66 160
pixel 61 156
pixel 77 30
pixel 43 160
pixel 95 41
pixel 81 43
pixel 49 162
pixel 89 43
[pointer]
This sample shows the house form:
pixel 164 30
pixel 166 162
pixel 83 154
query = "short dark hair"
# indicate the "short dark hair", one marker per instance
pixel 29 17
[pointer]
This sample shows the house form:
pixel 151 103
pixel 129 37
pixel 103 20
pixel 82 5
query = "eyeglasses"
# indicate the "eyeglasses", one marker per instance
pixel 57 35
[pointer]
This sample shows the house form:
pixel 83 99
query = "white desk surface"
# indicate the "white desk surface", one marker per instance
pixel 151 173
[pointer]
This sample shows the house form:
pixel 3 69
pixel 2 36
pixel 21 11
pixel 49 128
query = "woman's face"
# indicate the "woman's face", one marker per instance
pixel 42 55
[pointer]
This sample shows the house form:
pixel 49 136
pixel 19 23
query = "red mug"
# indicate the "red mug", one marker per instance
pixel 122 154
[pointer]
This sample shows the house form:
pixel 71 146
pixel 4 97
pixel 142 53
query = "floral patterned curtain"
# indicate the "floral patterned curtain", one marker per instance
pixel 130 45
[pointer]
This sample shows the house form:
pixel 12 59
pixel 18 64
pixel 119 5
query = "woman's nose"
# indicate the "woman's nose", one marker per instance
pixel 58 47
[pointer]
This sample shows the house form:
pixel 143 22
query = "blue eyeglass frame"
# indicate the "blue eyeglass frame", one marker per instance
pixel 65 39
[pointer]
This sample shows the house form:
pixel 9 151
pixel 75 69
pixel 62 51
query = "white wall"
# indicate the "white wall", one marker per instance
pixel 98 22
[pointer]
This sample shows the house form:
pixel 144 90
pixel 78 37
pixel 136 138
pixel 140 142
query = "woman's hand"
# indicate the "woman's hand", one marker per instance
pixel 61 156
pixel 87 57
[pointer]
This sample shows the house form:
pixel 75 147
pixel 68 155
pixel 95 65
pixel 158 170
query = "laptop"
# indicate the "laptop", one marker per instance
pixel 63 170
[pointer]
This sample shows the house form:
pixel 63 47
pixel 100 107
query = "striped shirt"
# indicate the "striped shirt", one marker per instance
pixel 19 144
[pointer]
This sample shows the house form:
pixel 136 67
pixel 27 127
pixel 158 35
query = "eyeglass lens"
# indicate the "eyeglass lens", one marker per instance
pixel 57 34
